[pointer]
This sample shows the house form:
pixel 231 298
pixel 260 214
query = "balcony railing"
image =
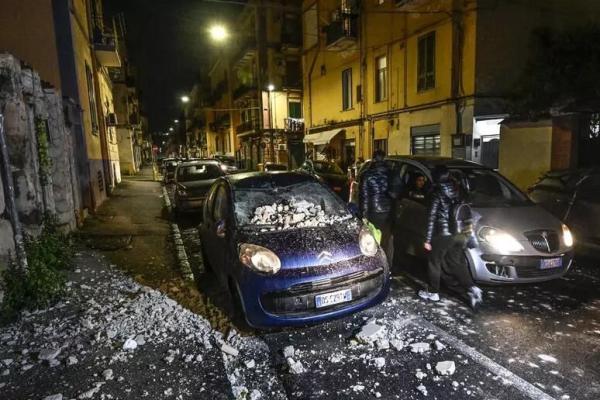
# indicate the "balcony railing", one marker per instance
pixel 105 46
pixel 246 52
pixel 342 34
pixel 294 124
pixel 247 126
pixel 243 90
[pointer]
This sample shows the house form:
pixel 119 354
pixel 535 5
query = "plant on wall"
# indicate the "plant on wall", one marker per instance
pixel 41 130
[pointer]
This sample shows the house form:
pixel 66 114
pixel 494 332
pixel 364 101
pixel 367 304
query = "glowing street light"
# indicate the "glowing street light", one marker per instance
pixel 176 121
pixel 218 33
pixel 185 99
pixel 171 129
pixel 271 87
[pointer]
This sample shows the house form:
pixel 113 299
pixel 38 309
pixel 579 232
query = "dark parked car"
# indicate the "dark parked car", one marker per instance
pixel 520 242
pixel 227 163
pixel 271 167
pixel 288 250
pixel 574 197
pixel 330 174
pixel 193 179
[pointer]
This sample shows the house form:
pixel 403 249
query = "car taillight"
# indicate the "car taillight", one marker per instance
pixel 337 188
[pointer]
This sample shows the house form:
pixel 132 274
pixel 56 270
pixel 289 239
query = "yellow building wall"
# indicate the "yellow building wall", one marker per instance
pixel 106 107
pixel 521 167
pixel 27 32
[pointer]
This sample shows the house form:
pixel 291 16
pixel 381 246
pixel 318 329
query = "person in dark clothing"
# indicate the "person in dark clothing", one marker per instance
pixel 417 189
pixel 375 203
pixel 446 244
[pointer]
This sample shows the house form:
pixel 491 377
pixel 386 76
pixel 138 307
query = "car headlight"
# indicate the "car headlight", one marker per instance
pixel 567 236
pixel 499 240
pixel 259 259
pixel 367 242
pixel 182 193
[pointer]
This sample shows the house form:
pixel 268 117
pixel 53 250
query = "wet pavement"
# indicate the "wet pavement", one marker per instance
pixel 538 341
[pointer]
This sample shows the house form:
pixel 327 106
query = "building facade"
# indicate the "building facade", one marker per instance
pixel 421 77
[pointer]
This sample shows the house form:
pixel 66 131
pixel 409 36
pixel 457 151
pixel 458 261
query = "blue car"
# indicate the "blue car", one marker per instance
pixel 289 251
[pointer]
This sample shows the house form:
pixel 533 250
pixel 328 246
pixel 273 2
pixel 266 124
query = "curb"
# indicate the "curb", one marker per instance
pixel 180 253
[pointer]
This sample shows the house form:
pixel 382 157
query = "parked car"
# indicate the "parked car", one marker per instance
pixel 519 241
pixel 574 197
pixel 227 163
pixel 168 169
pixel 193 179
pixel 288 250
pixel 330 174
pixel 270 167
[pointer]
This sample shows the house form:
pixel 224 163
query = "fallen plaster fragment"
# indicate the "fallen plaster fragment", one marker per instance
pixel 445 367
pixel 227 349
pixel 288 351
pixel 295 366
pixel 419 347
pixel 130 344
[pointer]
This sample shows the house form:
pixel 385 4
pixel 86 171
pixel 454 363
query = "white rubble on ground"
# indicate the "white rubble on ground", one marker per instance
pixel 290 214
pixel 445 367
pixel 58 396
pixel 421 388
pixel 107 374
pixel 370 332
pixel 130 344
pixel 48 354
pixel 420 374
pixel 379 362
pixel 230 350
pixel 296 367
pixel 288 351
pixel 420 347
pixel 439 345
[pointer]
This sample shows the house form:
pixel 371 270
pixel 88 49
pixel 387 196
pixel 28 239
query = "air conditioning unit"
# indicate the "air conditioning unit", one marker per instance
pixel 111 119
pixel 282 147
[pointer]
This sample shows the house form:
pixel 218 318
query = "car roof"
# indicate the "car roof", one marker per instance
pixel 258 179
pixel 433 161
pixel 198 162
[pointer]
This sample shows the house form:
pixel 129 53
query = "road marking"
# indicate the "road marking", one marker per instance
pixel 528 389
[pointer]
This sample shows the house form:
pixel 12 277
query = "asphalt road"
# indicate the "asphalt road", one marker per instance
pixel 528 341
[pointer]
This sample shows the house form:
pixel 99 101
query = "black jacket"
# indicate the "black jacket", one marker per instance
pixel 373 195
pixel 443 200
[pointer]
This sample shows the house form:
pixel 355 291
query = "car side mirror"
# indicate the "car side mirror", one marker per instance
pixel 221 229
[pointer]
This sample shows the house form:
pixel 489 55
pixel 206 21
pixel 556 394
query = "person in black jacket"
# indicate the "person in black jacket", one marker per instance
pixel 375 203
pixel 445 244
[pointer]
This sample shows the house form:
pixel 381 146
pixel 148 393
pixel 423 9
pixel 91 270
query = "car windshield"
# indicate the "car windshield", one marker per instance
pixel 198 172
pixel 298 205
pixel 327 168
pixel 488 189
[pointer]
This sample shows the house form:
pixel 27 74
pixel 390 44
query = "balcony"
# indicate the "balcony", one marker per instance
pixel 248 126
pixel 343 34
pixel 243 91
pixel 246 52
pixel 295 125
pixel 106 49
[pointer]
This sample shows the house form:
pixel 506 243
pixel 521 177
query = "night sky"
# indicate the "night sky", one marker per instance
pixel 167 42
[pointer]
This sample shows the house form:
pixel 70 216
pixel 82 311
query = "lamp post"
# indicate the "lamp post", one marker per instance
pixel 218 33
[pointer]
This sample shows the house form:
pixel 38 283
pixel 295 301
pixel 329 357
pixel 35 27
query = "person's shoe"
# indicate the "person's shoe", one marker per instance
pixel 425 295
pixel 475 297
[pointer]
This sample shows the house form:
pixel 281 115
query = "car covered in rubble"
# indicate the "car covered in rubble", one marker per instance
pixel 288 250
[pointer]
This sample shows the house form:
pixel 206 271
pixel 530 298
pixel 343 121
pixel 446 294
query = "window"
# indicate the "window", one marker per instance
pixel 425 140
pixel 92 98
pixel 347 89
pixel 381 144
pixel 426 62
pixel 381 78
pixel 295 109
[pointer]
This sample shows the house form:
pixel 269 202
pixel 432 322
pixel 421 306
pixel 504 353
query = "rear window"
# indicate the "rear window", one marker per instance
pixel 198 172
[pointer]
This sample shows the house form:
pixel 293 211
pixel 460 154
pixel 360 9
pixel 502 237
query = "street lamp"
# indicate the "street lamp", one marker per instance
pixel 218 33
pixel 176 121
pixel 185 99
pixel 171 129
pixel 271 87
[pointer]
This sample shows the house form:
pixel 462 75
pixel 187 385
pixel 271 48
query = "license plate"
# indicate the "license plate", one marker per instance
pixel 328 299
pixel 549 263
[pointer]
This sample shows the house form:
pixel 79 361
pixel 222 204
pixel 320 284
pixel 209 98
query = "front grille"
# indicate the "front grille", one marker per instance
pixel 300 299
pixel 536 272
pixel 544 241
pixel 523 266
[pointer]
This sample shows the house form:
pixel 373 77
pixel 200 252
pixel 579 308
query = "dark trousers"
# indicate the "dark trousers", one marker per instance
pixel 447 262
pixel 383 222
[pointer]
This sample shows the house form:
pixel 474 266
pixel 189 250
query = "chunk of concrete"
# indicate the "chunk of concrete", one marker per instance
pixel 445 367
pixel 419 347
pixel 230 350
pixel 370 332
pixel 296 367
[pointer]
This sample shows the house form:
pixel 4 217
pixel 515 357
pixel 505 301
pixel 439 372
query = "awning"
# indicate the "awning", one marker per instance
pixel 321 137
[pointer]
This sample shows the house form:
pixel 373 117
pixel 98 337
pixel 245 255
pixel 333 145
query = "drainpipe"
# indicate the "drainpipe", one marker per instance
pixel 9 195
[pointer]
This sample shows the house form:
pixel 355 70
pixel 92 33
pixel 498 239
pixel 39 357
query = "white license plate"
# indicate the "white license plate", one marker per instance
pixel 549 263
pixel 328 299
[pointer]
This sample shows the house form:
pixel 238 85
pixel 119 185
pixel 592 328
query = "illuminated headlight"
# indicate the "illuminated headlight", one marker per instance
pixel 499 240
pixel 259 259
pixel 567 236
pixel 367 242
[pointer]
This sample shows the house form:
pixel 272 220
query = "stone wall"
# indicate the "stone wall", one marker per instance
pixel 41 151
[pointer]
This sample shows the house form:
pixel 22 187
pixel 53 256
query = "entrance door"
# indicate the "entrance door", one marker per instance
pixel 489 151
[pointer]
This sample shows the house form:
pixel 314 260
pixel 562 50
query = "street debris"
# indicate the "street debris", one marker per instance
pixel 445 367
pixel 288 351
pixel 291 214
pixel 295 367
pixel 419 347
pixel 370 332
pixel 130 344
pixel 227 349
pixel 421 388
